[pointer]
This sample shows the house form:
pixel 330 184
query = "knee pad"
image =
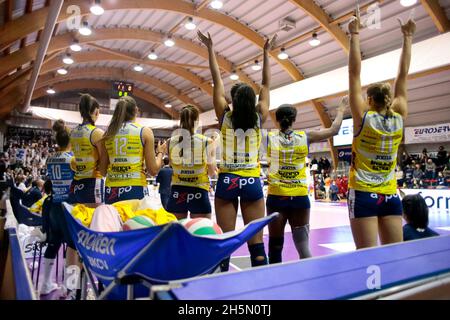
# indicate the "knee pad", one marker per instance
pixel 300 236
pixel 275 249
pixel 257 254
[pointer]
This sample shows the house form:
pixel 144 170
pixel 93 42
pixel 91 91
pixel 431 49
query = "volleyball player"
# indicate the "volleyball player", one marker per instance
pixel 61 172
pixel 88 185
pixel 375 208
pixel 126 145
pixel 192 157
pixel 287 150
pixel 241 139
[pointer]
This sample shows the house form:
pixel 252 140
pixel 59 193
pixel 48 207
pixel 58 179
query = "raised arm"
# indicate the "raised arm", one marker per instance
pixel 400 103
pixel 323 134
pixel 219 100
pixel 264 93
pixel 356 101
pixel 153 162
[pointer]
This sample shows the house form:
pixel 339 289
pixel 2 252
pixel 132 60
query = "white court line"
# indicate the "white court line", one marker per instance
pixel 234 266
pixel 340 246
pixel 444 228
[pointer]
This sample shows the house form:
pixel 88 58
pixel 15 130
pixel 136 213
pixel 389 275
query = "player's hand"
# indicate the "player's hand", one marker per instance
pixel 162 147
pixel 206 40
pixel 409 28
pixel 270 43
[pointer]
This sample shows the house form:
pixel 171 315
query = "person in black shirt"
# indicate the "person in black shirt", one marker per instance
pixel 408 171
pixel 442 158
pixel 2 167
pixel 164 179
pixel 34 194
pixel 415 213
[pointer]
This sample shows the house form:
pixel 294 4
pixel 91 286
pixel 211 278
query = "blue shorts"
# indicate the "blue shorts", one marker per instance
pixel 230 187
pixel 116 194
pixel 367 204
pixel 88 190
pixel 285 203
pixel 189 200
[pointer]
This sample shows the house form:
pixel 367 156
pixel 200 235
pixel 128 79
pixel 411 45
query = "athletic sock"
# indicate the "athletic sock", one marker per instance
pixel 275 249
pixel 257 254
pixel 301 241
pixel 47 273
pixel 225 265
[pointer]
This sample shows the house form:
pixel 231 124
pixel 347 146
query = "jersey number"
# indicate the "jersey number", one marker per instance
pixel 387 144
pixel 121 143
pixel 56 172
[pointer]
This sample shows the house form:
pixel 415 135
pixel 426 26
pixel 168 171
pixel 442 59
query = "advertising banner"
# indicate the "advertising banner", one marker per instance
pixel 436 199
pixel 431 134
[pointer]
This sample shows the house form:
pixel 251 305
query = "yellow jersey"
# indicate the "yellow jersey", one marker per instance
pixel 85 153
pixel 374 154
pixel 190 166
pixel 126 157
pixel 287 154
pixel 240 150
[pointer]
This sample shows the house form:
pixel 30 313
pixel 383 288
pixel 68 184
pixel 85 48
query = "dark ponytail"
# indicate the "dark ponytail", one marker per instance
pixel 286 115
pixel 62 133
pixel 244 114
pixel 88 104
pixel 188 116
pixel 415 210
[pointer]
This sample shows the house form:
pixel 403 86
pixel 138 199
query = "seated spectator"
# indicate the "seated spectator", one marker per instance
pixel 408 175
pixel 37 206
pixel 418 173
pixel 34 194
pixel 415 213
pixel 446 171
pixel 441 181
pixel 334 190
pixel 20 183
pixel 400 176
pixel 417 184
pixel 430 169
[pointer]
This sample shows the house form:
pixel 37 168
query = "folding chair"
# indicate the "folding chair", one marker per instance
pixel 129 263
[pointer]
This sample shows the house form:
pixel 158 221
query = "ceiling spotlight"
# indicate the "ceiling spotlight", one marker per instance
pixel 408 3
pixel 138 68
pixel 153 55
pixel 169 42
pixel 68 59
pixel 168 105
pixel 97 9
pixel 85 30
pixel 216 4
pixel 50 90
pixel 75 46
pixel 256 66
pixel 314 41
pixel 234 76
pixel 190 25
pixel 62 71
pixel 283 55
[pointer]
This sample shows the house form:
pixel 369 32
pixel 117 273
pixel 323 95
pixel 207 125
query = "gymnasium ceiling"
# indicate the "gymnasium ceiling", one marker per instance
pixel 128 31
